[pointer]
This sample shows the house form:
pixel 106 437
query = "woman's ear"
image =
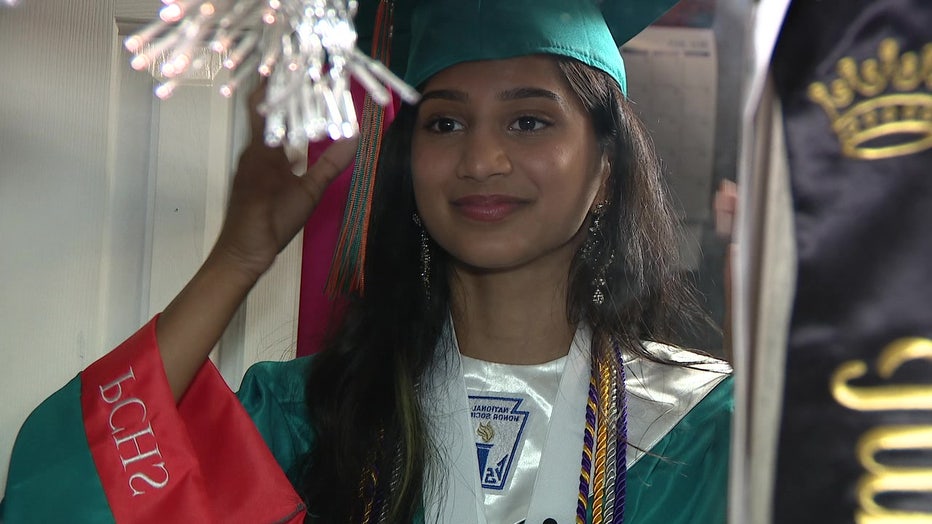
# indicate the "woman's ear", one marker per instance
pixel 605 173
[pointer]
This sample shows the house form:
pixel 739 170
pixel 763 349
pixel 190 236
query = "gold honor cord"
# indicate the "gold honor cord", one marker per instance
pixel 601 446
pixel 879 477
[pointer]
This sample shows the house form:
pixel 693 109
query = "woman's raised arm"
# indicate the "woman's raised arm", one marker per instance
pixel 267 207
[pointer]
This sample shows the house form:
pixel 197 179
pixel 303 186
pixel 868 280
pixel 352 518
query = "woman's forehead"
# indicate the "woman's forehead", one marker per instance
pixel 509 78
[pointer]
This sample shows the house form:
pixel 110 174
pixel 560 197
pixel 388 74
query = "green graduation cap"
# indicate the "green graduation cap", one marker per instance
pixel 430 35
pixel 419 38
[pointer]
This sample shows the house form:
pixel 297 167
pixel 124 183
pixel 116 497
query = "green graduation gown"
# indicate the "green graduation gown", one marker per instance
pixel 113 446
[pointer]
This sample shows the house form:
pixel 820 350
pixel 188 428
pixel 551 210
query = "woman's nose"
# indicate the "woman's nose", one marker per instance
pixel 484 155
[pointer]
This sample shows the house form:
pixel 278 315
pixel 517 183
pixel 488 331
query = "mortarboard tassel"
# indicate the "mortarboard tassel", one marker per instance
pixel 347 272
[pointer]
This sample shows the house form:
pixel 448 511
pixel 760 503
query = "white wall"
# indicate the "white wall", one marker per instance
pixel 53 189
pixel 109 200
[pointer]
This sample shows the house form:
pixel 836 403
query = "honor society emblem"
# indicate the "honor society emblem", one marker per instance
pixel 499 425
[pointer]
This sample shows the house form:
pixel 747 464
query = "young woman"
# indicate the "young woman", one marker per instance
pixel 504 363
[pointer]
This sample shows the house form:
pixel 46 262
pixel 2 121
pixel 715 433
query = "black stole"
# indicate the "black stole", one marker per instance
pixel 855 81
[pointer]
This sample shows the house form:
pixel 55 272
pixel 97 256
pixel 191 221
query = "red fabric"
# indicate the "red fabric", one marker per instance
pixel 203 461
pixel 315 310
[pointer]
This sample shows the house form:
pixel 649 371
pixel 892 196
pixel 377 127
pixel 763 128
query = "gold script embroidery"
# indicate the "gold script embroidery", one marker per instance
pixel 879 477
pixel 884 398
pixel 882 478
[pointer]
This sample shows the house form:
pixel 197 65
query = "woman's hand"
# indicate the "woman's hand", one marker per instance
pixel 726 208
pixel 268 206
pixel 269 203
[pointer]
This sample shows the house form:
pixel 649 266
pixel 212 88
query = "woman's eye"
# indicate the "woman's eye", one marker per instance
pixel 529 123
pixel 444 125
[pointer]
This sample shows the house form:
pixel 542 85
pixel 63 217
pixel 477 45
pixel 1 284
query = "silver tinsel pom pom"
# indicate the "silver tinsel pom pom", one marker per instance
pixel 306 48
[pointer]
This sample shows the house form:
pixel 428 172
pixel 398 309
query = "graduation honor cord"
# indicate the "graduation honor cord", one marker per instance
pixel 604 461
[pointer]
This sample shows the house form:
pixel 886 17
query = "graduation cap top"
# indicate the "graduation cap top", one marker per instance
pixel 431 35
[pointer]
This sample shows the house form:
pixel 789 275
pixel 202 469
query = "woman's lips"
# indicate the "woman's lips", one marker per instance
pixel 487 208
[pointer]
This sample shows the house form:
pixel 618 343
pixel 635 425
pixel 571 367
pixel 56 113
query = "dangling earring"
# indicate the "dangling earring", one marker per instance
pixel 425 255
pixel 591 252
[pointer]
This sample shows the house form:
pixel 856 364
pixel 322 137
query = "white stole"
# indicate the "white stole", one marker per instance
pixel 458 497
pixel 658 397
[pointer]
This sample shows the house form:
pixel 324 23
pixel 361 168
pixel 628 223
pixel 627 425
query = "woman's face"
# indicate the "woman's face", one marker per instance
pixel 505 163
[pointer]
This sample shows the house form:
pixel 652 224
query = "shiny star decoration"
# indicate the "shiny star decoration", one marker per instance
pixel 305 48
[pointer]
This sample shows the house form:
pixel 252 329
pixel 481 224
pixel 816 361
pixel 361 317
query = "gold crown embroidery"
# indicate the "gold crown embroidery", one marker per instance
pixel 882 109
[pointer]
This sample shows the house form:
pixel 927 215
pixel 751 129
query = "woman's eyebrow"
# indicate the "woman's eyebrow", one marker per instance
pixel 529 92
pixel 509 94
pixel 445 94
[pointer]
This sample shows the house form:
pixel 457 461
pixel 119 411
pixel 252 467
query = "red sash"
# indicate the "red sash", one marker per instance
pixel 200 461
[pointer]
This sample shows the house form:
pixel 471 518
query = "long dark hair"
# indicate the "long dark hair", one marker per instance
pixel 363 389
